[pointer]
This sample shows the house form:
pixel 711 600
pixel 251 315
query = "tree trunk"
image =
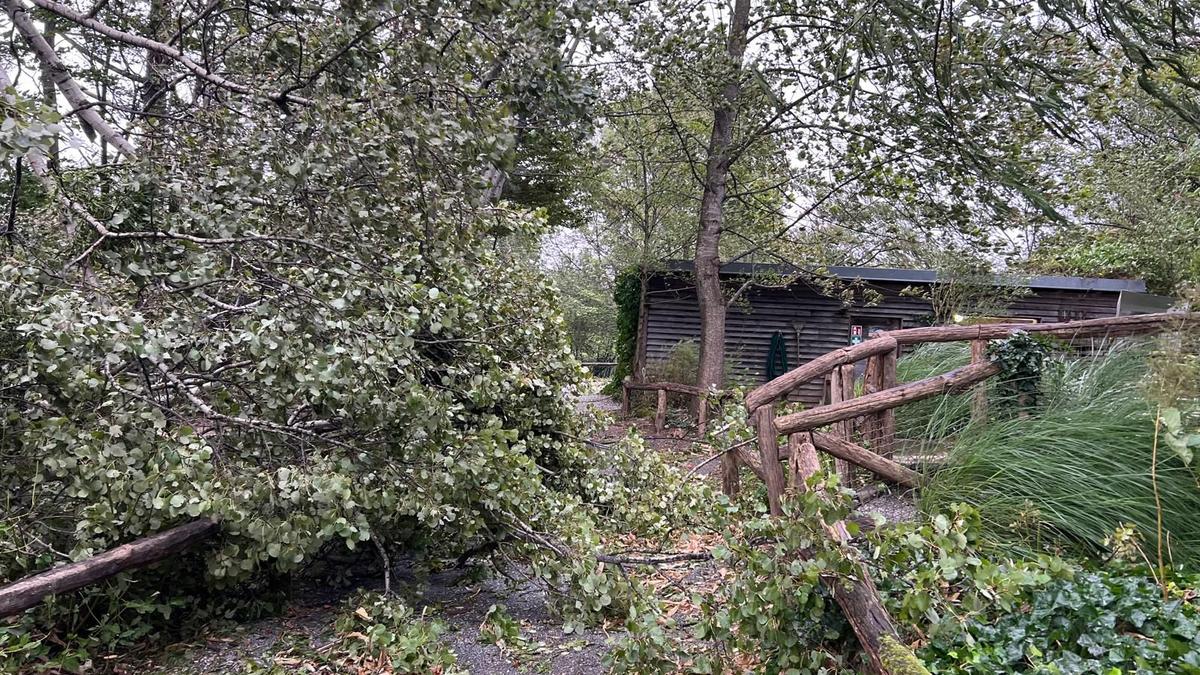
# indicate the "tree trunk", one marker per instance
pixel 712 208
pixel 21 595
pixel 50 92
pixel 639 348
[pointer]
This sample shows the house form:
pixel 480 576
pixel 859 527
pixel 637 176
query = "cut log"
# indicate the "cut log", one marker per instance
pixel 955 380
pixel 859 600
pixel 818 367
pixel 802 461
pixel 768 452
pixel 860 456
pixel 25 593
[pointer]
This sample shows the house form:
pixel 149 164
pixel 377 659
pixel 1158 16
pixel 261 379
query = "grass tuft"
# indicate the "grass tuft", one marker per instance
pixel 1068 474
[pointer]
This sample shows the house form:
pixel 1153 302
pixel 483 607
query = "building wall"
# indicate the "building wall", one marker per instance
pixel 813 324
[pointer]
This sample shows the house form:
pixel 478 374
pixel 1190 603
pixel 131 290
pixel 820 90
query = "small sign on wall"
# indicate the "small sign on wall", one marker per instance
pixel 856 334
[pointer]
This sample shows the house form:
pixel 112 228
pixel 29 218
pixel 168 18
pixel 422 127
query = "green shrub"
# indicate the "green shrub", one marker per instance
pixel 1104 622
pixel 968 612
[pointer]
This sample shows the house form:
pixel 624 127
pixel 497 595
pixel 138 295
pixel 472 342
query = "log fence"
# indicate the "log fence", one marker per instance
pixel 662 389
pixel 874 412
pixel 873 415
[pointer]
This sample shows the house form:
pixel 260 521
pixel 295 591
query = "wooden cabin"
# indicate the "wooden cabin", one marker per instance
pixel 813 314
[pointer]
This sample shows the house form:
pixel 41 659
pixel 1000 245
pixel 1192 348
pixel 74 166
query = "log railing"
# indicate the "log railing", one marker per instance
pixel 25 593
pixel 874 411
pixel 663 388
pixel 856 594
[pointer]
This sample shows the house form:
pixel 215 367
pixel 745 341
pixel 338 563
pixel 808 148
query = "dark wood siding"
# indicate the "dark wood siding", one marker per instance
pixel 813 324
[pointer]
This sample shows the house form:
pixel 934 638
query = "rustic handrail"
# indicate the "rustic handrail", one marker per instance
pixel 859 599
pixel 890 340
pixel 955 380
pixel 1108 326
pixel 660 412
pixel 818 367
pixel 667 386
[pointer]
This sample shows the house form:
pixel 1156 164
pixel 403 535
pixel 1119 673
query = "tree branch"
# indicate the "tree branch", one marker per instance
pixel 279 98
pixel 91 120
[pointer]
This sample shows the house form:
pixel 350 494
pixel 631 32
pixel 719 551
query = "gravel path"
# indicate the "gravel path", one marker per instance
pixel 453 597
pixel 464 608
pixel 463 601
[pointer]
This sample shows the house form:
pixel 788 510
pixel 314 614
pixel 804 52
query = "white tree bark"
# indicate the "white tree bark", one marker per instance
pixel 165 50
pixel 83 108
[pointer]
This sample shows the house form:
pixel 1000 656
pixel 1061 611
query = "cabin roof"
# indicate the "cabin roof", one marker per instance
pixel 920 276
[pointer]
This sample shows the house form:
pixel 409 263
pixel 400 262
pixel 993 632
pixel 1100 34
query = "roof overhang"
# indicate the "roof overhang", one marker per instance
pixel 910 276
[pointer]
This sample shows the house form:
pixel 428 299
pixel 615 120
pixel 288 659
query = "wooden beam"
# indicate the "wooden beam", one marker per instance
pixel 28 592
pixel 731 481
pixel 660 411
pixel 665 386
pixel 955 380
pixel 751 461
pixel 1106 327
pixel 768 452
pixel 818 367
pixel 860 456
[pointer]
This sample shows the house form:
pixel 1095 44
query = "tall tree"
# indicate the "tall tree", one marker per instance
pixel 712 206
pixel 942 107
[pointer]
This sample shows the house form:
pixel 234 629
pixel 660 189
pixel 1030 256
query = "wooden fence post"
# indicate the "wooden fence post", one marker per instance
pixel 768 450
pixel 660 413
pixel 701 413
pixel 625 409
pixel 880 429
pixel 841 388
pixel 731 482
pixel 979 399
pixel 886 432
